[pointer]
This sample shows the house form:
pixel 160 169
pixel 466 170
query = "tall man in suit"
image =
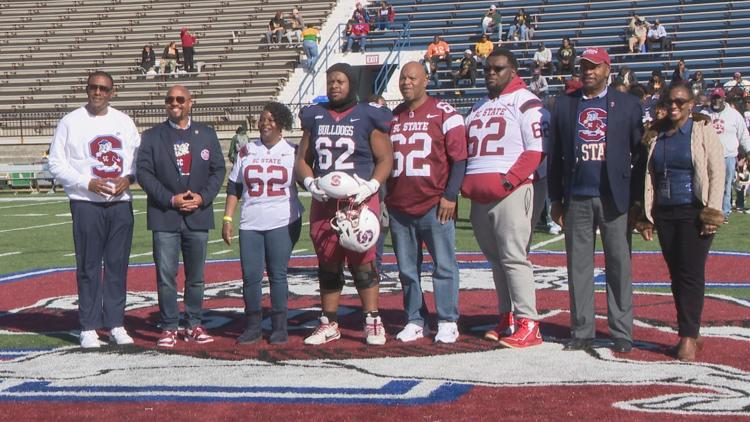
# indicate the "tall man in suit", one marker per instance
pixel 595 136
pixel 181 168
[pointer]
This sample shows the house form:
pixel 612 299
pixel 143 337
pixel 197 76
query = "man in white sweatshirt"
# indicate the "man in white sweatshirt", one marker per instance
pixel 730 126
pixel 92 156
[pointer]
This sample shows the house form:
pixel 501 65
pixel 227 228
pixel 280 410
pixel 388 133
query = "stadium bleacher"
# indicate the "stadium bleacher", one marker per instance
pixel 48 46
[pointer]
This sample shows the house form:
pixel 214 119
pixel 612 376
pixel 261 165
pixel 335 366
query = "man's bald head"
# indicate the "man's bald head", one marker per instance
pixel 178 103
pixel 412 83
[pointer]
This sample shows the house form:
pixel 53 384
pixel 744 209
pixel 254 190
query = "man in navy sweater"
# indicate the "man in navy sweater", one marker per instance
pixel 181 168
pixel 595 137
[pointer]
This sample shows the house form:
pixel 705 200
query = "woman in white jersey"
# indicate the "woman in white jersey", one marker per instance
pixel 263 175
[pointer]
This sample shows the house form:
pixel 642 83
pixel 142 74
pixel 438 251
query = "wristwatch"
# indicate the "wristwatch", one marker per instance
pixel 507 185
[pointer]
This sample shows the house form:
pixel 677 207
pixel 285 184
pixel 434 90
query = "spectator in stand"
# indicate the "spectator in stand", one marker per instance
pixel 681 73
pixel 637 33
pixel 360 29
pixel 618 86
pixel 518 29
pixel 657 34
pixel 483 48
pixel 738 82
pixel 276 29
pixel 626 77
pixel 574 83
pixel 733 134
pixel 170 58
pixel 543 59
pixel 538 85
pixel 741 182
pixel 310 41
pixel 566 57
pixel 467 69
pixel 148 58
pixel 492 22
pixel 360 9
pixel 438 51
pixel 296 24
pixel 188 42
pixel 238 141
pixel 702 104
pixel 656 85
pixel 698 85
pixel 386 15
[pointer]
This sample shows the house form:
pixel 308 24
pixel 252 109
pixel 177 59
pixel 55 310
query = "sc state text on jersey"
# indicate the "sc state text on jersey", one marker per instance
pixel 411 127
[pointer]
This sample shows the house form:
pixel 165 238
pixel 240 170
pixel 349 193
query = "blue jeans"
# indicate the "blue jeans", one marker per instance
pixel 726 207
pixel 167 246
pixel 311 51
pixel 514 28
pixel 272 247
pixel 408 233
pixel 362 42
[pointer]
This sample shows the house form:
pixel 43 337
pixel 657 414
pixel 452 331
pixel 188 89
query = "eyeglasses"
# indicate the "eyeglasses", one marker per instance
pixel 102 88
pixel 679 102
pixel 180 100
pixel 496 69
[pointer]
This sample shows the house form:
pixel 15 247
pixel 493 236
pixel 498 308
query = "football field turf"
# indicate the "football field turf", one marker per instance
pixel 45 376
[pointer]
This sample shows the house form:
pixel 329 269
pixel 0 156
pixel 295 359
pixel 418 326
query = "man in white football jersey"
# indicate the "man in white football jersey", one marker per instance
pixel 429 160
pixel 270 223
pixel 505 131
pixel 92 155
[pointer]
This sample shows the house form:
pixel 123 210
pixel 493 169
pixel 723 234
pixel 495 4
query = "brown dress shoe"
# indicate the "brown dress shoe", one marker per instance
pixel 686 349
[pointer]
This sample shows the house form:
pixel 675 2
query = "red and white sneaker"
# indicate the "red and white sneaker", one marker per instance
pixel 168 339
pixel 527 334
pixel 198 335
pixel 374 331
pixel 326 331
pixel 504 328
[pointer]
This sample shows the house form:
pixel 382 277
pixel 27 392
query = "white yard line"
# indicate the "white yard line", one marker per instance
pixel 9 253
pixel 24 215
pixel 34 227
pixel 35 204
pixel 69 254
pixel 141 254
pixel 547 242
pixel 225 251
pixel 298 250
pixel 221 240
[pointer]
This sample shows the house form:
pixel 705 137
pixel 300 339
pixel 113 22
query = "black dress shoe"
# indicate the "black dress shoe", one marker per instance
pixel 578 344
pixel 622 346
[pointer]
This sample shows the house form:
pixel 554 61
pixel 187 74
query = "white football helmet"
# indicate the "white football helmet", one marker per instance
pixel 357 226
pixel 337 184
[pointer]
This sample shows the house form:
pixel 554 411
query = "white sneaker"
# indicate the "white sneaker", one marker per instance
pixel 89 339
pixel 554 229
pixel 411 332
pixel 120 336
pixel 374 331
pixel 326 331
pixel 447 332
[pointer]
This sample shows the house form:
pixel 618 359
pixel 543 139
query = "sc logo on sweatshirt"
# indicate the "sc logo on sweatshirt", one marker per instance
pixel 104 150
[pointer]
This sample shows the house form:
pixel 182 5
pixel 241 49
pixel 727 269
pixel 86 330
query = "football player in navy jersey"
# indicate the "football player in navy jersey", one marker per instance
pixel 429 147
pixel 344 135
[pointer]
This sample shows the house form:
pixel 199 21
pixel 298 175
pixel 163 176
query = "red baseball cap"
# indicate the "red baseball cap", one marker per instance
pixel 718 92
pixel 596 55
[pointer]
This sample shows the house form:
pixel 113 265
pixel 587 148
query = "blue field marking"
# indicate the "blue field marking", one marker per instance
pixel 389 394
pixel 10 354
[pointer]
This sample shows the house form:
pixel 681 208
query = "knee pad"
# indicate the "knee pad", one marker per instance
pixel 330 280
pixel 365 279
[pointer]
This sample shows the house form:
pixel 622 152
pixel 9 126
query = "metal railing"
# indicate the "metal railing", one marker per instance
pixel 393 59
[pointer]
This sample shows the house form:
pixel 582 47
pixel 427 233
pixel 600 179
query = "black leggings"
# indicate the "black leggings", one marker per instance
pixel 685 251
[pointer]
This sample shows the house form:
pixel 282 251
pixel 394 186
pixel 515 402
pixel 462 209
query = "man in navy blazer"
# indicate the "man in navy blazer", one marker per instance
pixel 595 140
pixel 181 168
